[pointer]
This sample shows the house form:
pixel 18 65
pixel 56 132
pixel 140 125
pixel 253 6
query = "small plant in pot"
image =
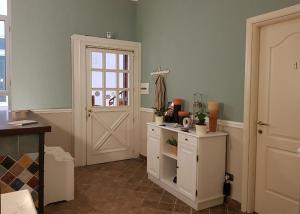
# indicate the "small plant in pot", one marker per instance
pixel 173 142
pixel 159 115
pixel 201 128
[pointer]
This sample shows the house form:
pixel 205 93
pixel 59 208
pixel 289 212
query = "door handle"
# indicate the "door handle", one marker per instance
pixel 89 112
pixel 262 123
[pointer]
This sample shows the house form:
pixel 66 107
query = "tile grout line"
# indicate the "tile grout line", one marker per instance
pixel 174 206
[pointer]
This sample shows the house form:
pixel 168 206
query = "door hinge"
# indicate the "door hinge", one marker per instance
pixel 196 192
pixel 197 158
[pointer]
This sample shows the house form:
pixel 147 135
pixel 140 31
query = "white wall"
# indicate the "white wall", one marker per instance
pixel 234 148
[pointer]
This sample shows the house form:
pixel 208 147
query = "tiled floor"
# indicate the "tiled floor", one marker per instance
pixel 122 188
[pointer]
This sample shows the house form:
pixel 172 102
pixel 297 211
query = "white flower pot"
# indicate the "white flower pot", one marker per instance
pixel 201 129
pixel 159 120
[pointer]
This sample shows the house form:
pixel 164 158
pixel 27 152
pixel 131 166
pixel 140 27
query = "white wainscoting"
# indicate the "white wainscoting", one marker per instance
pixel 61 135
pixel 234 147
pixel 60 121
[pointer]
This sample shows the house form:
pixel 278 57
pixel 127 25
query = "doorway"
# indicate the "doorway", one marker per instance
pixel 271 136
pixel 106 100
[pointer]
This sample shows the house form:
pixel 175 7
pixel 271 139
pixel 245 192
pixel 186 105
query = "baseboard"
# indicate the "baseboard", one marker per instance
pixel 149 110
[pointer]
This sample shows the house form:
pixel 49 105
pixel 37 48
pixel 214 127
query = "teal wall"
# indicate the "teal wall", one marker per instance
pixel 202 42
pixel 41 50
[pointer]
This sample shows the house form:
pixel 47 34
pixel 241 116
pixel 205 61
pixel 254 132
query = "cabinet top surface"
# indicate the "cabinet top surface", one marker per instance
pixel 192 132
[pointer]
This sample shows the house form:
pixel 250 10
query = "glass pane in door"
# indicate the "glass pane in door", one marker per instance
pixel 123 62
pixel 97 79
pixel 97 60
pixel 124 98
pixel 111 61
pixel 97 98
pixel 123 80
pixel 111 79
pixel 111 98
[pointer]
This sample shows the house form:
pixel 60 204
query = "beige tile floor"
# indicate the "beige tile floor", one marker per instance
pixel 123 188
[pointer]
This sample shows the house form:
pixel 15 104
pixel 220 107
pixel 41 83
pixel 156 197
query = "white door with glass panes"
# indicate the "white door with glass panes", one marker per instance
pixel 109 105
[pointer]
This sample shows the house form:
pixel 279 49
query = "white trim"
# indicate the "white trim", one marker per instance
pixel 231 124
pixel 251 95
pixel 79 45
pixel 225 123
pixel 149 110
pixel 51 111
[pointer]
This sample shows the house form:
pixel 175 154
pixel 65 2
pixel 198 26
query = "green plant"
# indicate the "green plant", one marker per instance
pixel 160 111
pixel 201 117
pixel 172 141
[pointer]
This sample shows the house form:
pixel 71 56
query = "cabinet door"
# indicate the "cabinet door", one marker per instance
pixel 153 149
pixel 187 168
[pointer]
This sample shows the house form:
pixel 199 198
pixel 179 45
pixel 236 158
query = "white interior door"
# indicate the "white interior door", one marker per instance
pixel 278 170
pixel 109 105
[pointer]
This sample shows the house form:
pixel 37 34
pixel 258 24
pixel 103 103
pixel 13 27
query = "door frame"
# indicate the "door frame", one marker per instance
pixel 254 25
pixel 79 45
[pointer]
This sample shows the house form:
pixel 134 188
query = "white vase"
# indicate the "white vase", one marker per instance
pixel 201 129
pixel 159 120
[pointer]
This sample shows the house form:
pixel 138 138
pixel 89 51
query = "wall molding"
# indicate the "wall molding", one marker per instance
pixel 231 124
pixel 149 110
pixel 52 111
pixel 225 123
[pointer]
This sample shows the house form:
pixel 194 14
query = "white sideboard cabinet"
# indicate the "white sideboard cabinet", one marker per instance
pixel 195 172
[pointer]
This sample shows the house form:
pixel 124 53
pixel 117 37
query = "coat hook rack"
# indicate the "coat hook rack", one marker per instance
pixel 159 71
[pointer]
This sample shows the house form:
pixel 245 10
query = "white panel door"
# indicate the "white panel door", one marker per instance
pixel 109 105
pixel 278 170
pixel 187 168
pixel 153 150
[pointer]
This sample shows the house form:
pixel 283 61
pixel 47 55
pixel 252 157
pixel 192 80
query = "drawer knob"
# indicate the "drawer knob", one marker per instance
pixel 153 130
pixel 186 139
pixel 157 157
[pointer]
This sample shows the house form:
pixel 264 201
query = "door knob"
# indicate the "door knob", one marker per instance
pixel 90 110
pixel 262 123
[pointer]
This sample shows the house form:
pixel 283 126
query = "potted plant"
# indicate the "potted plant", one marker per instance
pixel 201 128
pixel 159 115
pixel 173 142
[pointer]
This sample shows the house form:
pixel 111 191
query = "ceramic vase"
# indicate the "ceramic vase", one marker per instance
pixel 201 130
pixel 159 120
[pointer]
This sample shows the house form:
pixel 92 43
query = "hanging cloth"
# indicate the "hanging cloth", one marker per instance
pixel 160 92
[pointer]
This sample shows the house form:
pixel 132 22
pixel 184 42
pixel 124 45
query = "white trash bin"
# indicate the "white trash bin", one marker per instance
pixel 58 176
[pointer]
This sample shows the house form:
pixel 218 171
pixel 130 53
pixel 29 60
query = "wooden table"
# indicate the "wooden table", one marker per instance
pixel 21 152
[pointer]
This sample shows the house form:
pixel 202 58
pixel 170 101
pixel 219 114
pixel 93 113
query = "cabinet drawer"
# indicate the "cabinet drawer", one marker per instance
pixel 153 131
pixel 187 138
